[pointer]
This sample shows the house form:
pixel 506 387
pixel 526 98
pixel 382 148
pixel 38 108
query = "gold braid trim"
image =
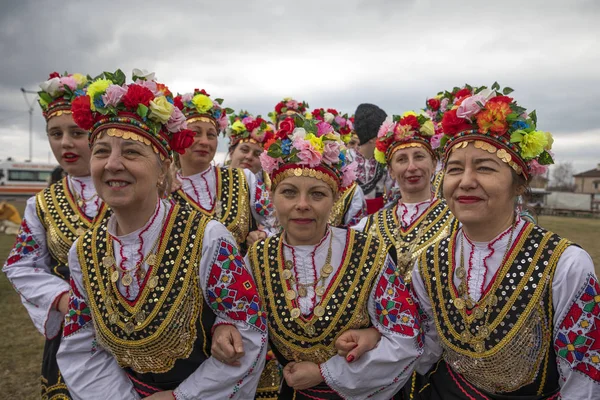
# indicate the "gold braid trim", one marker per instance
pixel 129 135
pixel 341 206
pixel 502 154
pixel 310 172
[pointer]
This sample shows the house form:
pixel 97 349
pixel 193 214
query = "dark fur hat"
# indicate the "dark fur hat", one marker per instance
pixel 367 120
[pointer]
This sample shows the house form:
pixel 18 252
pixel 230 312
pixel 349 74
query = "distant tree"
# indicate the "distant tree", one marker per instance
pixel 562 177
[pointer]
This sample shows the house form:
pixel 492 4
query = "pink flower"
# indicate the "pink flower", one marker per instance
pixel 310 157
pixel 348 174
pixel 469 107
pixel 113 95
pixel 269 164
pixel 69 81
pixel 536 168
pixel 386 127
pixel 435 140
pixel 151 85
pixel 223 122
pixel 340 121
pixel 177 121
pixel 444 104
pixel 293 104
pixel 186 98
pixel 331 152
pixel 247 119
pixel 323 128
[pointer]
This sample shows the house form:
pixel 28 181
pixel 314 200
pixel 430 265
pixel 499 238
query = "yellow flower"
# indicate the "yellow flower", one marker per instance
pixel 550 141
pixel 316 142
pixel 427 129
pixel 238 127
pixel 308 115
pixel 533 144
pixel 161 109
pixel 202 103
pixel 97 87
pixel 80 79
pixel 380 156
pixel 406 114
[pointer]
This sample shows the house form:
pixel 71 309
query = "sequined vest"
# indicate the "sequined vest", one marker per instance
pixel 312 338
pixel 341 206
pixel 232 208
pixel 64 222
pixel 433 225
pixel 507 349
pixel 167 325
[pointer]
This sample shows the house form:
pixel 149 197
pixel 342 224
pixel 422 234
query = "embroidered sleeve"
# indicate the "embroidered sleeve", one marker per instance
pixel 394 306
pixel 25 245
pixel 230 289
pixel 577 338
pixel 79 313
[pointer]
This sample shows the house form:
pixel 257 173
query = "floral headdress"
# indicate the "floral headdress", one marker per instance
pixel 340 123
pixel 287 106
pixel 497 124
pixel 58 92
pixel 399 132
pixel 302 147
pixel 198 106
pixel 250 129
pixel 141 111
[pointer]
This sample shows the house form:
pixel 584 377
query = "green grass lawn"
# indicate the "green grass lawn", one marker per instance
pixel 21 344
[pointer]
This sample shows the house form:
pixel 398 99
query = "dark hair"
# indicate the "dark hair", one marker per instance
pixel 56 175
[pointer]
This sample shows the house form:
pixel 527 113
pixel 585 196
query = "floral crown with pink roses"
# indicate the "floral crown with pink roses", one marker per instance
pixel 496 123
pixel 286 108
pixel 198 106
pixel 249 129
pixel 58 92
pixel 341 123
pixel 308 147
pixel 399 132
pixel 142 111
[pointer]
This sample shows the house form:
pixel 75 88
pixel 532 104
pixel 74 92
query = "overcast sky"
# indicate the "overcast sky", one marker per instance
pixel 395 53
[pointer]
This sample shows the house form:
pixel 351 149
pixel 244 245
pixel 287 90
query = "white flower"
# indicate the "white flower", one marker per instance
pixel 299 133
pixel 51 86
pixel 142 73
pixel 328 117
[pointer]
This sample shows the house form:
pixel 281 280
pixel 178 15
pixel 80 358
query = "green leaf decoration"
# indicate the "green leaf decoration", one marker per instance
pixel 506 91
pixel 495 86
pixel 46 97
pixel 109 75
pixel 68 90
pixel 533 116
pixel 220 101
pixel 119 78
pixel 229 110
pixel 516 137
pixel 545 159
pixel 142 110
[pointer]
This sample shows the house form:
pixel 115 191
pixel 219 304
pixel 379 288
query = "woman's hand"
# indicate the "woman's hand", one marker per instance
pixel 166 395
pixel 255 236
pixel 353 343
pixel 62 304
pixel 227 345
pixel 302 375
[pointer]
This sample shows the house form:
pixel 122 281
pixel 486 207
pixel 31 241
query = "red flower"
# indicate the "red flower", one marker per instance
pixel 501 99
pixel 382 145
pixel 345 130
pixel 164 89
pixel 410 120
pixel 178 103
pixel 317 114
pixel 453 124
pixel 462 93
pixel 332 111
pixel 201 92
pixel 82 113
pixel 279 107
pixel 434 104
pixel 252 125
pixel 182 140
pixel 136 95
pixel 54 75
pixel 286 127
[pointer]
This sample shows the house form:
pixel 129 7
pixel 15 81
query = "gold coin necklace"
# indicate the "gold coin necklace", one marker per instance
pixel 479 311
pixel 319 288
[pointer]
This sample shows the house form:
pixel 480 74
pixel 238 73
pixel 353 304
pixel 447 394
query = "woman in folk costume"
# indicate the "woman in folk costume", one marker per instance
pixel 37 266
pixel 223 193
pixel 350 206
pixel 513 309
pixel 286 108
pixel 317 281
pixel 372 176
pixel 247 136
pixel 156 282
pixel 419 218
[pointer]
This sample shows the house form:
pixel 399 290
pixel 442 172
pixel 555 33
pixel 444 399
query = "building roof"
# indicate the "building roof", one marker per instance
pixel 592 173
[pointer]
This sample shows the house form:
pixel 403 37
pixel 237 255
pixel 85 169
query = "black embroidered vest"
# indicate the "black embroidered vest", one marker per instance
pixel 508 349
pixel 164 334
pixel 345 300
pixel 341 207
pixel 433 225
pixel 232 208
pixel 64 222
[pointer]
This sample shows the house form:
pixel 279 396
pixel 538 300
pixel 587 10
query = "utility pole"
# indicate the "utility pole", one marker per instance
pixel 30 105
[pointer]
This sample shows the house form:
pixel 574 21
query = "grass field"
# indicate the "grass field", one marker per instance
pixel 21 344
